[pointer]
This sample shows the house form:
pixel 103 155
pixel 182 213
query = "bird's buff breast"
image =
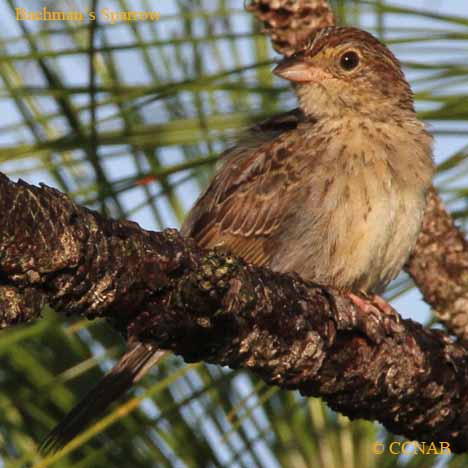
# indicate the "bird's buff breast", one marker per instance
pixel 364 210
pixel 371 231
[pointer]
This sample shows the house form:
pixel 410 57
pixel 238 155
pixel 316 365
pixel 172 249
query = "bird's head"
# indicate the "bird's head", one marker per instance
pixel 345 69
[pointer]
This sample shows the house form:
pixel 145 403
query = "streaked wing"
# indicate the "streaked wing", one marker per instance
pixel 248 200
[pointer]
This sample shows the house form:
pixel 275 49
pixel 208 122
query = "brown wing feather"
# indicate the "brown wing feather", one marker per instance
pixel 246 202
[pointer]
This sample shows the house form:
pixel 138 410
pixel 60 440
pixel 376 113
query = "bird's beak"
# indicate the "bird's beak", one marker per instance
pixel 297 70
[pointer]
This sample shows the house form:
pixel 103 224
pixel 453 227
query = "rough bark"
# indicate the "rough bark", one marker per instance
pixel 439 266
pixel 364 361
pixel 291 22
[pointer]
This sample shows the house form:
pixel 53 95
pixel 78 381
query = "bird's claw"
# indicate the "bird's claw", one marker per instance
pixel 375 317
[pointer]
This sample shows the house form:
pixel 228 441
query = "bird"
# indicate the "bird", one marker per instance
pixel 333 190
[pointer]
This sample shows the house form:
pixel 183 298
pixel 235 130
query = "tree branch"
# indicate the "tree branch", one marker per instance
pixel 208 305
pixel 439 266
pixel 290 22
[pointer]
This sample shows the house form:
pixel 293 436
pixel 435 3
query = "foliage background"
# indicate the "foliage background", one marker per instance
pixel 136 135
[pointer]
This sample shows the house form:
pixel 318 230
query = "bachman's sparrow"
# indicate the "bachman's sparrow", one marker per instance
pixel 334 190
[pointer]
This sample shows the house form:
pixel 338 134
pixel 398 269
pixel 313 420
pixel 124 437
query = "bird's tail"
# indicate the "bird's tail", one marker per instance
pixel 133 365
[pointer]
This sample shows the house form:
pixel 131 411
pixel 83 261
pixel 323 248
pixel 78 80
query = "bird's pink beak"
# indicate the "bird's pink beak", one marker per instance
pixel 297 70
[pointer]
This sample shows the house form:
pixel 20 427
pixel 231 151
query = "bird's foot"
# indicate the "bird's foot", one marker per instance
pixel 370 302
pixel 375 317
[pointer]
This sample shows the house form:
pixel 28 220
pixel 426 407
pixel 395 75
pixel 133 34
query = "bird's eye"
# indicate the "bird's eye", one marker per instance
pixel 349 60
